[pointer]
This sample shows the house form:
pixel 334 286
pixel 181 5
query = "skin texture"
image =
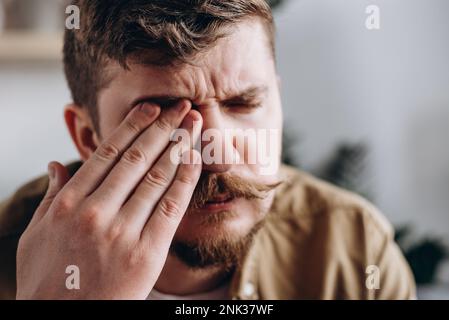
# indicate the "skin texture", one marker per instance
pixel 117 216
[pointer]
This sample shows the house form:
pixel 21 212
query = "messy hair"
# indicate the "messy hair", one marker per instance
pixel 158 32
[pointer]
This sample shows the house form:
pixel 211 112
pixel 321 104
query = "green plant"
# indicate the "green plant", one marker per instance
pixel 346 168
pixel 290 142
pixel 424 256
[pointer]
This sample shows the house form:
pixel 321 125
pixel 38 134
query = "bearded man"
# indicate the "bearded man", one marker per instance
pixel 135 222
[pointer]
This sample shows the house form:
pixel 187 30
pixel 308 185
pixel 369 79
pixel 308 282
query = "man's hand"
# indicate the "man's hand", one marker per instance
pixel 116 217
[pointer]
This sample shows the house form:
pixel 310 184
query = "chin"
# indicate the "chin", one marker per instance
pixel 218 235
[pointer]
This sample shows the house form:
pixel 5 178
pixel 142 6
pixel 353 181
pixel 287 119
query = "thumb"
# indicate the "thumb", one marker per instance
pixel 58 177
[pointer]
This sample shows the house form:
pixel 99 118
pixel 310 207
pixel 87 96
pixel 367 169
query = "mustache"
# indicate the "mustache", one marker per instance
pixel 210 185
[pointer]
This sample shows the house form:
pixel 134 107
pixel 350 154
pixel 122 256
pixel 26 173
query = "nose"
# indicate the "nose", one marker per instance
pixel 217 147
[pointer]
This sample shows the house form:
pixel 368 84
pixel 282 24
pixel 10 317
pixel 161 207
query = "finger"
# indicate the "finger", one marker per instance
pixel 138 159
pixel 58 177
pixel 161 227
pixel 141 204
pixel 95 169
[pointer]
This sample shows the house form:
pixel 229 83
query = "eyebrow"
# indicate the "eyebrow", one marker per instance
pixel 246 96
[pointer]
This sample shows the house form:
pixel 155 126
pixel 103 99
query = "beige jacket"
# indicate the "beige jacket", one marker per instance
pixel 317 244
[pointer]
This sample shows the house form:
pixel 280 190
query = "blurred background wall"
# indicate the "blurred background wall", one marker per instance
pixel 387 87
pixel 341 82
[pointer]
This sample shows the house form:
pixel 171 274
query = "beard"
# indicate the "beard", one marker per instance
pixel 224 252
pixel 223 249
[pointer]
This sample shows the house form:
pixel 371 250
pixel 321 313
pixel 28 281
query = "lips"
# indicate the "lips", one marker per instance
pixel 219 199
pixel 219 203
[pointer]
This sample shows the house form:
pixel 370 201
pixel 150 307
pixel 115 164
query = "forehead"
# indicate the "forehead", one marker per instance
pixel 241 60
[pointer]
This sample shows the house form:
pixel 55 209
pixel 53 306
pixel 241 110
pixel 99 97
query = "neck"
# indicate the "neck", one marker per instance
pixel 177 278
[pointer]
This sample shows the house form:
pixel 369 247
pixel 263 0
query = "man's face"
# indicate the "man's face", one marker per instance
pixel 234 85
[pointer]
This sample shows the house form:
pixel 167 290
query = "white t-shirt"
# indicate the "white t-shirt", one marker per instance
pixel 220 293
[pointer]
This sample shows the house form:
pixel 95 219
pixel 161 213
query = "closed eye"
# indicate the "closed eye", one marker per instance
pixel 242 106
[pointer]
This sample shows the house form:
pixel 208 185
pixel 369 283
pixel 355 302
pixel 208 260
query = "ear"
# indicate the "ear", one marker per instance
pixel 80 126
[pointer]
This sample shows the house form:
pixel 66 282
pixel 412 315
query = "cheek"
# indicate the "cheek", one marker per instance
pixel 255 212
pixel 259 141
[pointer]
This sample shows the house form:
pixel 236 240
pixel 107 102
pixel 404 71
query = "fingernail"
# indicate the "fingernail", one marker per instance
pixel 191 118
pixel 51 171
pixel 149 109
pixel 194 115
pixel 182 106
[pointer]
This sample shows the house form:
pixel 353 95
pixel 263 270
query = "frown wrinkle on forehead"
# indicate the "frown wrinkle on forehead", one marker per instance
pixel 199 84
pixel 236 63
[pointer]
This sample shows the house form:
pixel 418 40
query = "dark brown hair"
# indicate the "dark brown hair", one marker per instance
pixel 154 31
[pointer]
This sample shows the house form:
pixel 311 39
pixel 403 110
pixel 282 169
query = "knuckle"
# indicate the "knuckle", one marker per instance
pixel 135 257
pixel 170 208
pixel 90 219
pixel 164 124
pixel 115 232
pixel 186 179
pixel 108 151
pixel 132 125
pixel 63 204
pixel 134 155
pixel 155 177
